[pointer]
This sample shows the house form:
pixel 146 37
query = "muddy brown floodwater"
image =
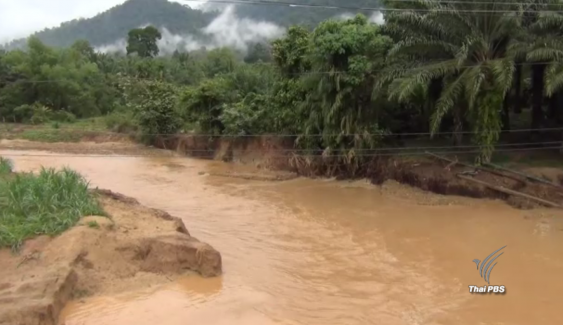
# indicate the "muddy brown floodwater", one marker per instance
pixel 325 252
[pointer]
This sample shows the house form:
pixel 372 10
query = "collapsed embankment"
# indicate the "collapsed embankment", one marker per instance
pixel 423 172
pixel 136 246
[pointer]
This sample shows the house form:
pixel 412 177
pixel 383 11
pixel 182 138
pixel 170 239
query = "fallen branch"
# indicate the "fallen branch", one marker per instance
pixel 488 170
pixel 510 192
pixel 450 165
pixel 530 177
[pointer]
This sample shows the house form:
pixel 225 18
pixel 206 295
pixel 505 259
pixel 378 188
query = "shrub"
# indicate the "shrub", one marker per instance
pixel 41 114
pixel 155 109
pixel 23 113
pixel 63 116
pixel 246 117
pixel 6 166
pixel 121 122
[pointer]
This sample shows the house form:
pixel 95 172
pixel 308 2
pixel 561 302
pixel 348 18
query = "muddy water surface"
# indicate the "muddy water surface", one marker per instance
pixel 325 252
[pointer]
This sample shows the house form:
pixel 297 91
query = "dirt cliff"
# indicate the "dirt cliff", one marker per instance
pixel 136 246
pixel 420 171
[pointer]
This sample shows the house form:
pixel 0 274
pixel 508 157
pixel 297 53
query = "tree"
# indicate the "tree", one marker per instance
pixel 154 105
pixel 205 103
pixel 258 52
pixel 84 48
pixel 468 51
pixel 542 48
pixel 219 61
pixel 345 56
pixel 289 53
pixel 143 41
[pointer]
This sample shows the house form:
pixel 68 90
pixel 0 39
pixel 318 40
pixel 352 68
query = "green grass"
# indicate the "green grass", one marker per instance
pixel 46 203
pixel 64 132
pixel 6 166
pixel 93 224
pixel 51 135
pixel 70 131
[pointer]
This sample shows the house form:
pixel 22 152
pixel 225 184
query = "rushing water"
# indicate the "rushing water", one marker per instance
pixel 325 252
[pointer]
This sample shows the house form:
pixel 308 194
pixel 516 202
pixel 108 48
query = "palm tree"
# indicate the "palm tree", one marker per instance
pixel 537 45
pixel 465 45
pixel 546 51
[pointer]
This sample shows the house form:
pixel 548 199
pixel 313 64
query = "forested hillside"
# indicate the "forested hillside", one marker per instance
pixel 114 24
pixel 108 27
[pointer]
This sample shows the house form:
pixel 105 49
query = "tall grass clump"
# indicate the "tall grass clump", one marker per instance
pixel 6 166
pixel 47 203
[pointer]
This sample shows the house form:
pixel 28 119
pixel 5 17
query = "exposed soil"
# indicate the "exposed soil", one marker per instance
pixel 137 246
pixel 426 173
pixel 275 154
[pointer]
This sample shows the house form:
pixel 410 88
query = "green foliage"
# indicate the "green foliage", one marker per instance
pixel 259 52
pixel 340 102
pixel 219 62
pixel 6 166
pixel 63 116
pixel 154 107
pixel 290 52
pixel 204 104
pixel 142 41
pixel 252 115
pixel 58 79
pixel 42 204
pixel 121 122
pixel 448 68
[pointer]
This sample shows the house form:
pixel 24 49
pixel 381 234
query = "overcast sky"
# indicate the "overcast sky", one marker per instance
pixel 19 18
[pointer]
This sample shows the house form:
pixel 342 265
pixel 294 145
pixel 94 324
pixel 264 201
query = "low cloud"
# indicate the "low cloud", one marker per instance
pixel 375 18
pixel 345 16
pixel 226 30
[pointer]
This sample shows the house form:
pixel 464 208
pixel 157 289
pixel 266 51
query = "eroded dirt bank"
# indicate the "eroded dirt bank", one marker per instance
pixel 136 247
pixel 426 173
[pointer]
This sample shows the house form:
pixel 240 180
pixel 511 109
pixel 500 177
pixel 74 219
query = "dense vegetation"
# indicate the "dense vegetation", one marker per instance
pixel 346 87
pixel 46 203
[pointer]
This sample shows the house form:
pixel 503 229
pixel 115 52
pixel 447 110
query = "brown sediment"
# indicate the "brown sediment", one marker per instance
pixel 274 153
pixel 136 246
pixel 323 252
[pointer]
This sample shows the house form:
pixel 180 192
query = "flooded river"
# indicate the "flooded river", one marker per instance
pixel 319 252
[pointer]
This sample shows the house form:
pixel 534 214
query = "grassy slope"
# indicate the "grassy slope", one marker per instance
pixel 53 132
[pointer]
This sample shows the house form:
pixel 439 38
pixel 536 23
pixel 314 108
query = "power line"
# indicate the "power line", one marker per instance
pixel 399 149
pixel 81 130
pixel 496 3
pixel 410 154
pixel 297 5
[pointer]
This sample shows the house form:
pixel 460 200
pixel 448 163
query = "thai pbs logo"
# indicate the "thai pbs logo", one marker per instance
pixel 485 268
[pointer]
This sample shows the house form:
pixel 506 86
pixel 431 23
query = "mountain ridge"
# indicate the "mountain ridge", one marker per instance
pixel 114 23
